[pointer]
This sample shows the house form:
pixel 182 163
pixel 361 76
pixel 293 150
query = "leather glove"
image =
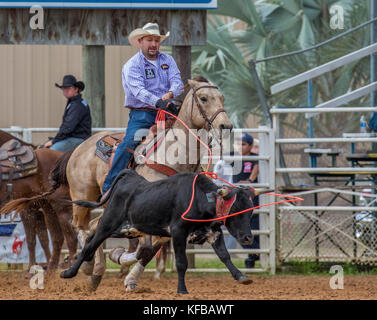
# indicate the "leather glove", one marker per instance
pixel 167 106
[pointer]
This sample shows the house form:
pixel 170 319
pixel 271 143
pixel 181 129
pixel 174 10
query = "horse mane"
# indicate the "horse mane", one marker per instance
pixel 198 78
pixel 58 174
pixel 5 136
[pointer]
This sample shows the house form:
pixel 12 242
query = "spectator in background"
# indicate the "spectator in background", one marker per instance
pixel 249 174
pixel 77 122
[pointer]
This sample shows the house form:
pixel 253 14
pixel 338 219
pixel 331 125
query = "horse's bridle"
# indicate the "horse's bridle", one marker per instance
pixel 200 108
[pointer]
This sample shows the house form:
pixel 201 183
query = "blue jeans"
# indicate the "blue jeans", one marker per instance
pixel 66 144
pixel 138 125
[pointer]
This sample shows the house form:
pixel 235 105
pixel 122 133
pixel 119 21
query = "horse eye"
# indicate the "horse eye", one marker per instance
pixel 204 99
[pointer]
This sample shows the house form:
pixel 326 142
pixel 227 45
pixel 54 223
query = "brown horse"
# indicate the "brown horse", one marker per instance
pixel 31 218
pixel 57 214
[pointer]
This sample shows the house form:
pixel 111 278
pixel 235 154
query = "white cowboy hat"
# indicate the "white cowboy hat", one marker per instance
pixel 150 29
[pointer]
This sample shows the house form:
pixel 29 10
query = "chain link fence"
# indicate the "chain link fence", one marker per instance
pixel 323 235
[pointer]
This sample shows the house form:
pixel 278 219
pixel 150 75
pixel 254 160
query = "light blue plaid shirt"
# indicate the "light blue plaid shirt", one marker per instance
pixel 144 83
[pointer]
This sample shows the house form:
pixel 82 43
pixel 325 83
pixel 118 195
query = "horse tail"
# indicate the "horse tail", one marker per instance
pixel 58 177
pixel 87 204
pixel 59 173
pixel 21 204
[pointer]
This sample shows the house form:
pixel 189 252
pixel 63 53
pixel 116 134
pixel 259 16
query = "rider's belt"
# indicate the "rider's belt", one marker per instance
pixel 143 109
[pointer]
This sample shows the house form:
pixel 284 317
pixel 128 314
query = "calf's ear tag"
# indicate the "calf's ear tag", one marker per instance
pixel 210 197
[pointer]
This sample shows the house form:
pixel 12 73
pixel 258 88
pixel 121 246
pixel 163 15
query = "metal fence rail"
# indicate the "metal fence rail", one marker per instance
pixel 334 224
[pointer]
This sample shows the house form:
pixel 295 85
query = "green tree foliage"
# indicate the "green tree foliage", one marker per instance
pixel 242 29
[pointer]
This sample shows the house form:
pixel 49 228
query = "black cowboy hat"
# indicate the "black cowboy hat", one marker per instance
pixel 69 81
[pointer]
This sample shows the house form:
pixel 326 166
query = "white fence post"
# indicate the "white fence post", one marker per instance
pixel 272 208
pixel 16 131
pixel 27 135
pixel 263 199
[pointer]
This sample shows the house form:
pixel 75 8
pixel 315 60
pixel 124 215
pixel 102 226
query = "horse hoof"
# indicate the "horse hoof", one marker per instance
pixel 94 281
pixel 87 267
pixel 124 270
pixel 245 280
pixel 65 274
pixel 157 276
pixel 131 287
pixel 183 292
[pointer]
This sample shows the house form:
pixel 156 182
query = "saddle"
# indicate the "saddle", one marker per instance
pixel 106 146
pixel 17 161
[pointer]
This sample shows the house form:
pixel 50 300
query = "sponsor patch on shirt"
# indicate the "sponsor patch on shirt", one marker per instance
pixel 149 74
pixel 247 167
pixel 164 67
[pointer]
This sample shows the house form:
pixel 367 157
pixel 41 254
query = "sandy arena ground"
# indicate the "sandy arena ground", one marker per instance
pixel 13 286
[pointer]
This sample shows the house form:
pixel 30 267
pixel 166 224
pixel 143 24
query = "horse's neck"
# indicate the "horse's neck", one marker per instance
pixel 176 138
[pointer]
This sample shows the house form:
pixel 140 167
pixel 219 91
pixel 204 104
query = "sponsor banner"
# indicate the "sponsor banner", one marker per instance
pixel 13 246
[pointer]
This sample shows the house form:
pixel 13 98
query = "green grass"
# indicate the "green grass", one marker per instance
pixel 323 268
pixel 288 268
pixel 3 266
pixel 200 263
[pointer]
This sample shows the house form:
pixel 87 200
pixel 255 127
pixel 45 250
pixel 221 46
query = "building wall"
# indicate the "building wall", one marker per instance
pixel 28 74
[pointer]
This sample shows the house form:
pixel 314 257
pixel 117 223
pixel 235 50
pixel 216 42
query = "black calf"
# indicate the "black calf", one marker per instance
pixel 137 207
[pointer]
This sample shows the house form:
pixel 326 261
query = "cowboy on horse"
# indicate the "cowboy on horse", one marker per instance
pixel 77 121
pixel 150 78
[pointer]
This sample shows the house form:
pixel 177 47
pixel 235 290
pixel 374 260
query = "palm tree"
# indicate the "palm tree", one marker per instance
pixel 272 28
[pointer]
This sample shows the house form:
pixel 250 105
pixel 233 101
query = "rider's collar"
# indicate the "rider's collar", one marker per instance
pixel 146 61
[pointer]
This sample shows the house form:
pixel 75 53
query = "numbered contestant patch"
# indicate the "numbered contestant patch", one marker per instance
pixel 149 74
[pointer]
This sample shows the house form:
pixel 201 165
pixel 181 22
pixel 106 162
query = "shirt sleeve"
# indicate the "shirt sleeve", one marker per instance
pixel 71 119
pixel 132 79
pixel 175 80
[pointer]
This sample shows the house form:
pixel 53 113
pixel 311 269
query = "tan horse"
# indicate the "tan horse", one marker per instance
pixel 202 108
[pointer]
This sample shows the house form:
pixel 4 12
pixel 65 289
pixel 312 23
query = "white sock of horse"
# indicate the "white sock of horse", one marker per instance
pixel 127 259
pixel 130 281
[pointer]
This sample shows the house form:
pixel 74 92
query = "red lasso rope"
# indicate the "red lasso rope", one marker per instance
pixel 213 175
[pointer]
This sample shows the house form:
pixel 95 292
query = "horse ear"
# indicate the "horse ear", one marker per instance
pixel 193 84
